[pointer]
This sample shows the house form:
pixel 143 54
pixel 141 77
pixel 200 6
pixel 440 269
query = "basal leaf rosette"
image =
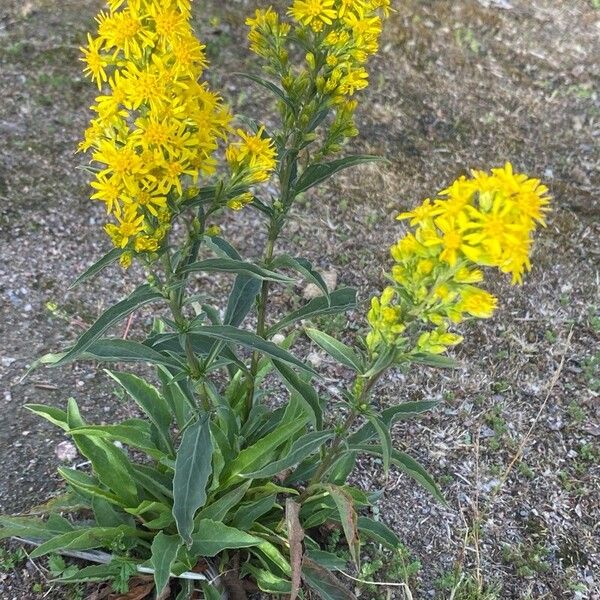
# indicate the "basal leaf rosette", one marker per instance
pixel 157 125
pixel 486 220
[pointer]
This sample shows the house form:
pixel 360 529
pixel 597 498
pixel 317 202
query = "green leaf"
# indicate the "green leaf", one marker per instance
pixel 302 266
pixel 28 527
pixel 408 465
pixel 137 435
pixel 88 486
pixel 193 467
pixel 302 448
pixel 148 398
pixel 230 265
pixel 158 485
pixel 56 416
pixel 259 454
pixel 84 539
pixel 180 403
pixel 92 573
pixel 139 297
pixel 107 515
pixel 218 509
pixel 391 415
pixel 339 351
pixel 315 174
pixel 324 582
pixel 252 341
pixel 378 531
pixel 210 592
pixel 341 468
pixel 213 537
pixel 385 438
pixel 433 360
pixel 267 581
pixel 241 299
pixel 340 300
pixel 128 351
pixel 271 87
pixel 249 512
pixel 327 560
pixel 164 553
pixel 349 518
pixel 109 258
pixel 306 391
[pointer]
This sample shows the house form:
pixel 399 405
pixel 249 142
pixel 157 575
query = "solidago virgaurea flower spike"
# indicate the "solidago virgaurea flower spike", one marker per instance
pixel 156 125
pixel 486 220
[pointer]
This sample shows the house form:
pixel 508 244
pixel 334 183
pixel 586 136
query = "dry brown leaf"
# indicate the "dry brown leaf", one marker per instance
pixel 295 537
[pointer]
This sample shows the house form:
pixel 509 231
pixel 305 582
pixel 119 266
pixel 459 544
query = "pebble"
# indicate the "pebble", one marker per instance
pixel 312 290
pixel 66 451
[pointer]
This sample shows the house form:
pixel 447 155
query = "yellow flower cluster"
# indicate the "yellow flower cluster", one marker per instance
pixel 156 124
pixel 338 36
pixel 486 220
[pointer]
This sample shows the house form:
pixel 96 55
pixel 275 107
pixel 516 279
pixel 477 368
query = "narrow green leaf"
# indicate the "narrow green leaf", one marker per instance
pixel 301 449
pixel 88 486
pixel 271 87
pixel 138 435
pixel 323 582
pixel 213 537
pixel 192 470
pixel 252 341
pixel 391 415
pixel 340 300
pixel 230 265
pixel 327 560
pixel 249 512
pixel 267 581
pixel 408 465
pixel 385 439
pixel 180 403
pixel 315 174
pixel 378 531
pixel 218 509
pixel 302 266
pixel 339 351
pixel 241 299
pixel 306 391
pixel 139 297
pixel 434 360
pixel 158 485
pixel 148 398
pixel 109 258
pixel 28 527
pixel 164 553
pixel 349 518
pixel 92 573
pixel 56 416
pixel 128 351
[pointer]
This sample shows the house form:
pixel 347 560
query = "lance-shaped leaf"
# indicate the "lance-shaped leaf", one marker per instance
pixel 324 582
pixel 302 266
pixel 148 398
pixel 408 465
pixel 109 258
pixel 241 299
pixel 339 351
pixel 300 449
pixel 341 300
pixel 276 91
pixel 213 537
pixel 192 470
pixel 164 553
pixel 349 518
pixel 385 439
pixel 379 532
pixel 230 265
pixel 305 391
pixel 315 174
pixel 433 360
pixel 391 415
pixel 128 351
pixel 88 486
pixel 228 333
pixel 56 416
pixel 139 297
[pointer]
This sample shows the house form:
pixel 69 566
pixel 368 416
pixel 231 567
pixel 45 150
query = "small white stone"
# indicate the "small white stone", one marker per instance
pixel 314 359
pixel 312 290
pixel 66 452
pixel 278 339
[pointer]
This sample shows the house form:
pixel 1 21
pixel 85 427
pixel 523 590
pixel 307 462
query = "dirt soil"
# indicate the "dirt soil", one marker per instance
pixel 456 85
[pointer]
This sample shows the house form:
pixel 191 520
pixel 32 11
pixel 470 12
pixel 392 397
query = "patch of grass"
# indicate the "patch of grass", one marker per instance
pixel 465 37
pixel 462 586
pixel 10 559
pixel 528 559
pixel 591 371
pixel 576 413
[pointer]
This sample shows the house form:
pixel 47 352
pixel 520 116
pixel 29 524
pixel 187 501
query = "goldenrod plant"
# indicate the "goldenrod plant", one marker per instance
pixel 217 469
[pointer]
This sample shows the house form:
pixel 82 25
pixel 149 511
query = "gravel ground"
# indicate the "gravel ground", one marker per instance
pixel 456 85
